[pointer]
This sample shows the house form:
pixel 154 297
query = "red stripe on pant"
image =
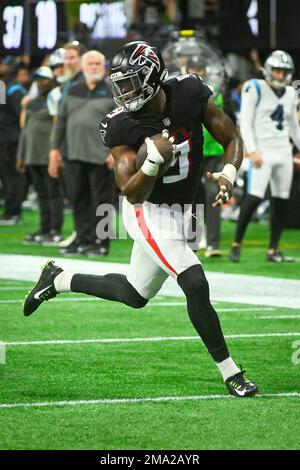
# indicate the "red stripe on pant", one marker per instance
pixel 149 238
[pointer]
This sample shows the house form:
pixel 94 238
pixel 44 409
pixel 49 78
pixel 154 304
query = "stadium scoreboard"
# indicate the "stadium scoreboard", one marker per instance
pixel 37 26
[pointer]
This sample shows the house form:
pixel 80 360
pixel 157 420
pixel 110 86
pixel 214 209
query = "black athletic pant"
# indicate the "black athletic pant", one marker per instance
pixel 90 185
pixel 195 287
pixel 50 198
pixel 248 207
pixel 14 184
pixel 278 218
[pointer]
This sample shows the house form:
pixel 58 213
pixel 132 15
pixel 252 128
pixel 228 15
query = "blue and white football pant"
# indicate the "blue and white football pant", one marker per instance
pixel 276 169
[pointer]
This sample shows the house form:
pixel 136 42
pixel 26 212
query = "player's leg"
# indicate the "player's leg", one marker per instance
pixel 281 182
pixel 145 275
pixel 56 203
pixel 160 233
pixel 38 179
pixel 80 202
pixel 54 280
pixel 206 322
pixel 101 183
pixel 144 280
pixel 258 179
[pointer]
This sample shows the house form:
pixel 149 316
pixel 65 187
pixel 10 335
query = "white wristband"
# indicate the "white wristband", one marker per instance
pixel 229 172
pixel 150 168
pixel 152 152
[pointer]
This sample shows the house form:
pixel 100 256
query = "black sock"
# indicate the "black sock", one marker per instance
pixel 202 314
pixel 278 218
pixel 110 287
pixel 249 206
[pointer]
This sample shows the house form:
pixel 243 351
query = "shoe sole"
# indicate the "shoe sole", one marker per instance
pixel 67 242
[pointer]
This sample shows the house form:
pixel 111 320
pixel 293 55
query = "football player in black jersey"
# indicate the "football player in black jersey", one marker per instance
pixel 153 213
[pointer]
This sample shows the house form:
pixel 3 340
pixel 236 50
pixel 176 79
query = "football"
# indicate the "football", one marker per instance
pixel 165 149
pixel 296 159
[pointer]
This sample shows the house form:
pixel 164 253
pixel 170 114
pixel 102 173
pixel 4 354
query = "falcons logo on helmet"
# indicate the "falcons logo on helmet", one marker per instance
pixel 142 55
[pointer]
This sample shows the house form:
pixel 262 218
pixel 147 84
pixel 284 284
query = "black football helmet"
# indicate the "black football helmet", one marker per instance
pixel 136 74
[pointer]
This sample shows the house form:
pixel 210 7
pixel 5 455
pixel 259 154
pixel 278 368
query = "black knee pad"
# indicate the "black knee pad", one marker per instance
pixel 193 281
pixel 137 301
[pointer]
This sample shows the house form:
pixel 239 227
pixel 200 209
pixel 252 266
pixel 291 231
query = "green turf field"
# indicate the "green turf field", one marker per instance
pixel 89 374
pixel 252 262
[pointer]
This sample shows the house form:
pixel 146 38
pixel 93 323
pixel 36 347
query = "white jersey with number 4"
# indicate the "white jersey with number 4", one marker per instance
pixel 267 120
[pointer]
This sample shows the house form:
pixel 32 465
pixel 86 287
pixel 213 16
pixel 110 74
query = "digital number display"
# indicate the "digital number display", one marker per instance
pixel 13 18
pixel 39 25
pixel 46 14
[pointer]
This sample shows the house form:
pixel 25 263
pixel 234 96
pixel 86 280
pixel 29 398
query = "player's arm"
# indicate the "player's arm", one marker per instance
pixel 135 185
pixel 58 132
pixel 138 185
pixel 247 116
pixel 223 130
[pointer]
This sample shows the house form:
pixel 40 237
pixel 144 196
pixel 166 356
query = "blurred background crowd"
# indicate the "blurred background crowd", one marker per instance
pixel 54 60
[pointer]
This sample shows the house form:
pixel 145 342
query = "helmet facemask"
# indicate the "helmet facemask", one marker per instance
pixel 280 85
pixel 131 90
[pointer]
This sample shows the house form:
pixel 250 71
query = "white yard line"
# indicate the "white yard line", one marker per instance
pixel 139 340
pixel 151 305
pixel 13 288
pixel 224 287
pixel 117 401
pixel 278 317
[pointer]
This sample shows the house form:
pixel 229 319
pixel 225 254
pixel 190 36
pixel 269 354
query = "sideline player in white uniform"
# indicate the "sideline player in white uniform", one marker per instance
pixel 268 120
pixel 153 212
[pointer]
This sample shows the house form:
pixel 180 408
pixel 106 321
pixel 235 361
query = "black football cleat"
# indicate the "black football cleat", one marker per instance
pixel 43 290
pixel 239 386
pixel 279 257
pixel 235 254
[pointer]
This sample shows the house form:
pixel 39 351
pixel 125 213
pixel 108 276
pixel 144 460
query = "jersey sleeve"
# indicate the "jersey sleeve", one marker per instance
pixel 249 103
pixel 117 128
pixel 109 129
pixel 197 93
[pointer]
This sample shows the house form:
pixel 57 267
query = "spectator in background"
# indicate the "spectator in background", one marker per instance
pixel 13 183
pixel 89 178
pixel 6 68
pixel 23 76
pixel 33 154
pixel 72 74
pixel 72 64
pixel 56 63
